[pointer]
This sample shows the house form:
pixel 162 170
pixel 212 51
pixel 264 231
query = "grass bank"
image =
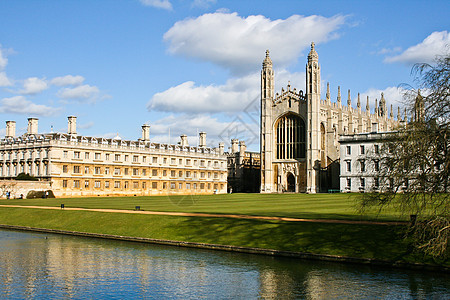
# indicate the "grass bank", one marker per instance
pixel 312 206
pixel 362 241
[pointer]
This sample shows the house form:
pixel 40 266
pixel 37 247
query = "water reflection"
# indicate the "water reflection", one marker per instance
pixel 34 265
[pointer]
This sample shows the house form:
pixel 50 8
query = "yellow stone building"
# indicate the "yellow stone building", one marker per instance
pixel 87 166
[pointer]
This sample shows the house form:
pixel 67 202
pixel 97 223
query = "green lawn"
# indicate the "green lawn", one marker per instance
pixel 367 241
pixel 319 206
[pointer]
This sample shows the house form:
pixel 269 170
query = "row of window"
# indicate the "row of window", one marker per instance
pixel 362 149
pixel 362 183
pixel 143 185
pixel 8 155
pixel 143 159
pixel 33 169
pixel 362 165
pixel 376 183
pixel 143 172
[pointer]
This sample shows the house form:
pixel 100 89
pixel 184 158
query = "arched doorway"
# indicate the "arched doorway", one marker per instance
pixel 290 183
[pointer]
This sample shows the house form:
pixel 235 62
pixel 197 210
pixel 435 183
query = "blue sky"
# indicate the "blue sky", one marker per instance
pixel 189 66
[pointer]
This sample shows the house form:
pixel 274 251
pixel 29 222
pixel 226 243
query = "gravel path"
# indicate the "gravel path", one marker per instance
pixel 185 214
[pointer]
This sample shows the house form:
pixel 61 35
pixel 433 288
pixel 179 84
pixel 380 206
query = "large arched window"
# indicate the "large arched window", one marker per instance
pixel 290 137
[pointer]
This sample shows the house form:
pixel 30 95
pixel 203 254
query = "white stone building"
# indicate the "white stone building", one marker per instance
pixel 360 163
pixel 300 131
pixel 86 166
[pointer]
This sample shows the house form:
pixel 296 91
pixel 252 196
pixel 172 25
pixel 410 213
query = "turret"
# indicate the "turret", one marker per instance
pixel 368 105
pixel 32 126
pixel 72 125
pixel 349 100
pixel 267 80
pixel 10 129
pixel 183 140
pixel 419 108
pixel 242 148
pixel 202 139
pixel 234 145
pixel 376 107
pixel 358 104
pixel 328 94
pixel 145 133
pixel 221 148
pixel 339 97
pixel 382 111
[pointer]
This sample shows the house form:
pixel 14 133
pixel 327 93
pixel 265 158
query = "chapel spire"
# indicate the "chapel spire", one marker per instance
pixel 267 78
pixel 267 63
pixel 419 108
pixel 313 56
pixel 339 96
pixel 383 108
pixel 349 100
pixel 328 92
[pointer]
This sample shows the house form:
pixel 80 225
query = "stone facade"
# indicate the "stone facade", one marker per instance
pixel 244 169
pixel 300 131
pixel 87 166
pixel 360 167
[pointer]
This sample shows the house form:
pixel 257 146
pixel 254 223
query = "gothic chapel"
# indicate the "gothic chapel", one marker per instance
pixel 300 132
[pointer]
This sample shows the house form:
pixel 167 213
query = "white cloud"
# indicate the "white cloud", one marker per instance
pixel 233 96
pixel 67 80
pixel 4 80
pixel 20 105
pixel 86 125
pixel 436 43
pixel 164 4
pixel 389 50
pixel 80 92
pixel 188 97
pixel 203 3
pixel 3 59
pixel 239 43
pixel 216 130
pixel 33 85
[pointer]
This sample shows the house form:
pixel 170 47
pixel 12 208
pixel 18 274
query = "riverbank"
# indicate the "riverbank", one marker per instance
pixel 367 244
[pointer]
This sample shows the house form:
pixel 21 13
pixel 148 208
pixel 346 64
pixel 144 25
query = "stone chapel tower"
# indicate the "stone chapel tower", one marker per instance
pixel 267 88
pixel 313 125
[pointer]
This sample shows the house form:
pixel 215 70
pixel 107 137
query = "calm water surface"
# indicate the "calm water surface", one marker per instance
pixel 41 266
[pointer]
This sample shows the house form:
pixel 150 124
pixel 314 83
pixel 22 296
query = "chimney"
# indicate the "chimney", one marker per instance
pixel 32 126
pixel 202 139
pixel 184 141
pixel 242 147
pixel 234 145
pixel 10 129
pixel 221 148
pixel 145 133
pixel 72 125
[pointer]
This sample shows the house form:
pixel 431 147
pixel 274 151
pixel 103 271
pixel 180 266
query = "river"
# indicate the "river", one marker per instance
pixel 38 265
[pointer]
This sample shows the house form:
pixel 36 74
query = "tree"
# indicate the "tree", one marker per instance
pixel 415 161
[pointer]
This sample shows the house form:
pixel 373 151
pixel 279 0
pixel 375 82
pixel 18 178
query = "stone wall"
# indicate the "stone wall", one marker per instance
pixel 22 187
